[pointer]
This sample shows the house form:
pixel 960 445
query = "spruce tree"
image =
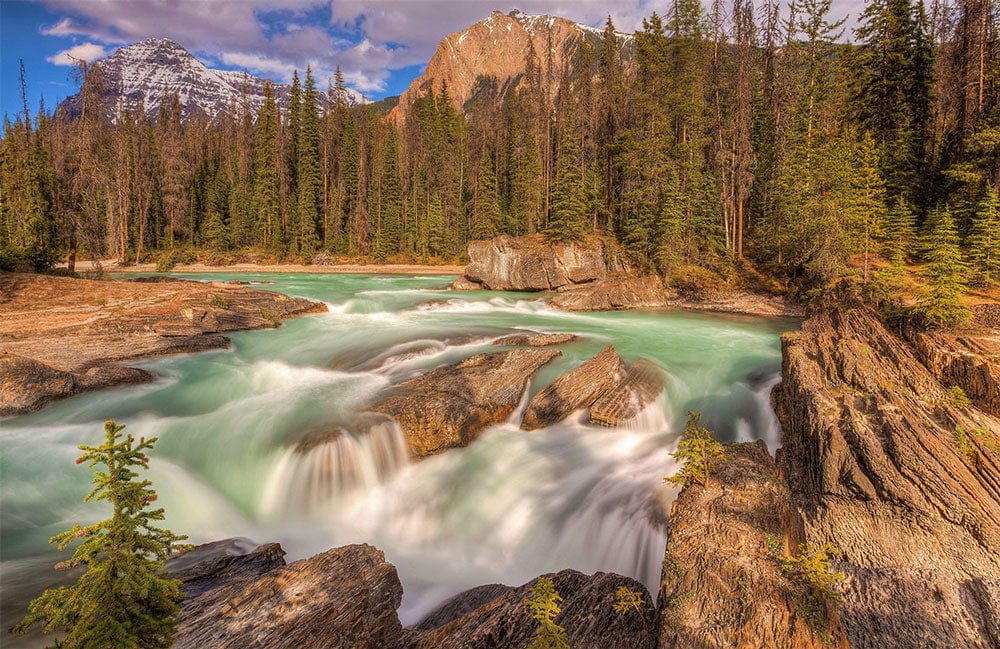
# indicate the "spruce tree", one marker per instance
pixel 568 212
pixel 698 453
pixel 868 211
pixel 123 599
pixel 983 243
pixel 308 172
pixel 486 211
pixel 942 303
pixel 266 199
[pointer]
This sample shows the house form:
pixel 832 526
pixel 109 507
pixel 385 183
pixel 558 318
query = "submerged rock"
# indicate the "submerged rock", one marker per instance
pixel 449 406
pixel 642 384
pixel 345 597
pixel 532 263
pixel 574 390
pixel 900 478
pixel 722 585
pixel 587 614
pixel 536 339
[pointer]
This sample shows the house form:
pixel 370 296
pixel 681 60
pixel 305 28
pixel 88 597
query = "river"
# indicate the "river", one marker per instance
pixel 509 507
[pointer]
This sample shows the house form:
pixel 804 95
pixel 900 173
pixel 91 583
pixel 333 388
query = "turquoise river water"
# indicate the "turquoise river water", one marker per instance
pixel 509 507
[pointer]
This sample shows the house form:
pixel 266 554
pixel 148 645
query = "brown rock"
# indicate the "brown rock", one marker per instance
pixel 532 263
pixel 112 374
pixel 465 284
pixel 615 293
pixel 722 585
pixel 575 389
pixel 26 384
pixel 587 615
pixel 535 340
pixel 449 406
pixel 212 565
pixel 968 361
pixel 642 384
pixel 343 598
pixel 877 467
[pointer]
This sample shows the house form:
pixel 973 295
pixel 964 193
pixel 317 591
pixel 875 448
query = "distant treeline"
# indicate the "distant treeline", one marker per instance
pixel 735 133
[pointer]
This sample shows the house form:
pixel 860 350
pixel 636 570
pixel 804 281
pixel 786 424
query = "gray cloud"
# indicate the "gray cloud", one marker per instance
pixel 394 33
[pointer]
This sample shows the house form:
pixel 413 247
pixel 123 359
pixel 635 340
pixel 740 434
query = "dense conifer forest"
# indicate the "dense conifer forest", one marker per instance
pixel 745 136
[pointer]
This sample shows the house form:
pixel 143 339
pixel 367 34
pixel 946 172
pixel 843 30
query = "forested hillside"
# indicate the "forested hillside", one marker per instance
pixel 745 135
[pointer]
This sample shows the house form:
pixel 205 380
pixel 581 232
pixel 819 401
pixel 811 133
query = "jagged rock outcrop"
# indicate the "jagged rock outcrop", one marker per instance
pixel 971 362
pixel 490 58
pixel 535 340
pixel 60 336
pixel 904 481
pixel 532 263
pixel 587 615
pixel 212 565
pixel 722 585
pixel 642 384
pixel 574 390
pixel 612 294
pixel 343 598
pixel 449 406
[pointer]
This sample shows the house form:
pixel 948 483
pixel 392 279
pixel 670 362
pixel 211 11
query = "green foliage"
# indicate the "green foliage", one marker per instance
pixel 568 214
pixel 955 396
pixel 627 600
pixel 942 303
pixel 984 240
pixel 220 301
pixel 698 453
pixel 544 604
pixel 813 581
pixel 965 446
pixel 123 599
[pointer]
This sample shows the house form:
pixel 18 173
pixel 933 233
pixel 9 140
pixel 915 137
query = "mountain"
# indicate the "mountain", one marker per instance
pixel 491 56
pixel 147 71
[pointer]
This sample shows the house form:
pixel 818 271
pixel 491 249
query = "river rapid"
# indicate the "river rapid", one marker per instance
pixel 511 506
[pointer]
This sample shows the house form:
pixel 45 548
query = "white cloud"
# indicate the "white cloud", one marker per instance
pixel 83 52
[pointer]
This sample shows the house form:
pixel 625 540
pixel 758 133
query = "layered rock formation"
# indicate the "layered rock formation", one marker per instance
pixel 574 390
pixel 642 384
pixel 900 476
pixel 504 622
pixel 967 361
pixel 345 597
pixel 449 406
pixel 535 340
pixel 216 564
pixel 61 336
pixel 722 585
pixel 532 263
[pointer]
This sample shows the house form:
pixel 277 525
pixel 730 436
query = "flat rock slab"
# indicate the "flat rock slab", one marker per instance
pixel 587 615
pixel 345 598
pixel 574 390
pixel 642 384
pixel 535 340
pixel 449 406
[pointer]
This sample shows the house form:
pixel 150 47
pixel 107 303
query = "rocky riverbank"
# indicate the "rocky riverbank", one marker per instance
pixel 60 336
pixel 592 275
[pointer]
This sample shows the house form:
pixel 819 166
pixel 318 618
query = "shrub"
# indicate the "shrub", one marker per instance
pixel 955 396
pixel 813 581
pixel 627 600
pixel 698 452
pixel 544 605
pixel 123 599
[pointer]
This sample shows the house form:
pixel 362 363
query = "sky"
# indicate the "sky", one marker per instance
pixel 380 45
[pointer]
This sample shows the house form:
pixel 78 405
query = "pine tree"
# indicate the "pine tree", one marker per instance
pixel 983 243
pixel 698 452
pixel 942 302
pixel 568 217
pixel 123 599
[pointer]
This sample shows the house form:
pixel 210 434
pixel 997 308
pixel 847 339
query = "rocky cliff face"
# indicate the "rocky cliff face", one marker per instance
pixel 899 475
pixel 491 56
pixel 722 585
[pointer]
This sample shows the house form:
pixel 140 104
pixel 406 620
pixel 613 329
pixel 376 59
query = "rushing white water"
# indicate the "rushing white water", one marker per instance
pixel 271 441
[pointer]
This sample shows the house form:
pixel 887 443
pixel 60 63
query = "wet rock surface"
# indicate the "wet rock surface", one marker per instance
pixel 449 406
pixel 574 390
pixel 535 339
pixel 345 598
pixel 905 482
pixel 216 564
pixel 81 329
pixel 722 585
pixel 642 384
pixel 587 614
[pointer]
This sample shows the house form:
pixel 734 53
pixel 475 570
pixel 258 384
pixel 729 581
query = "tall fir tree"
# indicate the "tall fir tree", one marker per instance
pixel 984 240
pixel 308 180
pixel 942 303
pixel 568 214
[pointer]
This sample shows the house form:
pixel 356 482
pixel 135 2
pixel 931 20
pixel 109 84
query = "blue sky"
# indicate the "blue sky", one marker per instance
pixel 380 45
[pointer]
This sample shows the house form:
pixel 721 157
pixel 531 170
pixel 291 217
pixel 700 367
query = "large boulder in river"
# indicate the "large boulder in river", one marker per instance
pixel 449 406
pixel 614 293
pixel 343 598
pixel 504 622
pixel 900 476
pixel 574 390
pixel 642 384
pixel 27 384
pixel 533 263
pixel 722 585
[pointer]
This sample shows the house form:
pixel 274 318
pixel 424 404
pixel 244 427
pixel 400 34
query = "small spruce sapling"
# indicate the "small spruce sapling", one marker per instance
pixel 123 599
pixel 698 453
pixel 544 605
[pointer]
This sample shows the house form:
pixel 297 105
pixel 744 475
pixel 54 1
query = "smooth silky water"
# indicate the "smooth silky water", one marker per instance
pixel 509 507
